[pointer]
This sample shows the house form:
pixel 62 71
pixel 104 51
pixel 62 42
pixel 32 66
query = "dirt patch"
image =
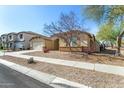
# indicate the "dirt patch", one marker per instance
pixel 90 78
pixel 92 58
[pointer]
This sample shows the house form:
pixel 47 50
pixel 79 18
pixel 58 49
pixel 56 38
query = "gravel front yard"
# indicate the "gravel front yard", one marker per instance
pixel 93 58
pixel 87 77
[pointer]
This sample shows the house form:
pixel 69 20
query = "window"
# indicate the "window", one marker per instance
pixel 21 36
pixel 3 37
pixel 10 37
pixel 10 45
pixel 73 41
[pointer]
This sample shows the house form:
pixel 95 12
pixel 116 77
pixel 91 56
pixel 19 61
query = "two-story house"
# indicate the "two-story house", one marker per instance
pixel 0 43
pixel 17 41
pixel 11 40
pixel 4 41
pixel 22 40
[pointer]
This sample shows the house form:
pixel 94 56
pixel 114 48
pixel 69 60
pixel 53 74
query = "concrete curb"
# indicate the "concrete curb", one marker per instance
pixel 51 80
pixel 117 70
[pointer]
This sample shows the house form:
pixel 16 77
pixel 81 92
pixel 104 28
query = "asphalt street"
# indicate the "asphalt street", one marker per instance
pixel 12 79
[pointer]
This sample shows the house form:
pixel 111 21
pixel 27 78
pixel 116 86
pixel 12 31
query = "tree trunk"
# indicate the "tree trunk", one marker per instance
pixel 70 48
pixel 119 42
pixel 111 45
pixel 118 45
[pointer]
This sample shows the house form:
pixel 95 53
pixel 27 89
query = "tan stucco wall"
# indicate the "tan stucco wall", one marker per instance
pixel 62 43
pixel 97 47
pixel 49 44
pixel 27 38
pixel 84 41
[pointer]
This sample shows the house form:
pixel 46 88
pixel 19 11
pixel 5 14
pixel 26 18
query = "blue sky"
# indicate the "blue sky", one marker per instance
pixel 32 18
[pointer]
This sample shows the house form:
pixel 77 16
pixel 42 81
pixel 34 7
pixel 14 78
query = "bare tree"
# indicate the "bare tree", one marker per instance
pixel 65 28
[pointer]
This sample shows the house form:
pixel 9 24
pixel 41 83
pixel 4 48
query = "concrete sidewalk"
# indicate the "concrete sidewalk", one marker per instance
pixel 117 70
pixel 21 52
pixel 48 79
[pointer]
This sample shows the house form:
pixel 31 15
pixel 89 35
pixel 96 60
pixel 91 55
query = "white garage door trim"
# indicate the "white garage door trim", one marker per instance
pixel 38 45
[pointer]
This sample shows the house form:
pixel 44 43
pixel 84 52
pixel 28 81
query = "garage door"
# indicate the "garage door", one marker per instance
pixel 19 45
pixel 38 45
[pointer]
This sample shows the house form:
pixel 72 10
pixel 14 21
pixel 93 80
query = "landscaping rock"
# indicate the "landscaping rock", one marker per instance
pixel 30 60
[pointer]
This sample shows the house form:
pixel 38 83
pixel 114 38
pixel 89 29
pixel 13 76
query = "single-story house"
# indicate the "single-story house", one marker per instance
pixel 83 42
pixel 79 42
